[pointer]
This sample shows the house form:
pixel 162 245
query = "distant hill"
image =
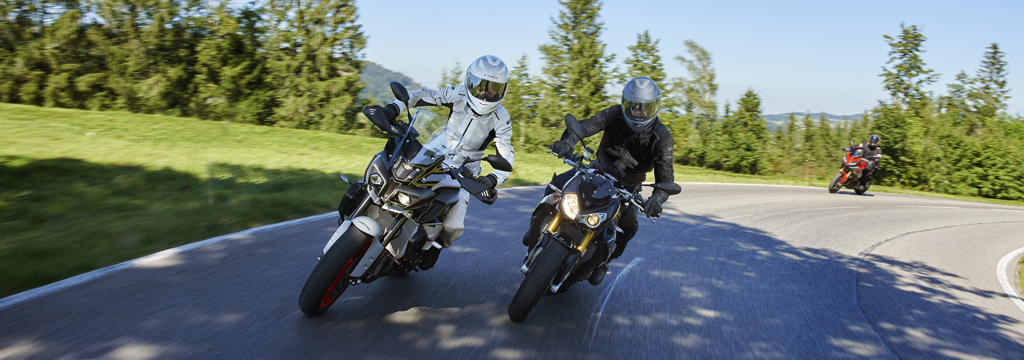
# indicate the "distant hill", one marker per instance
pixel 779 120
pixel 378 79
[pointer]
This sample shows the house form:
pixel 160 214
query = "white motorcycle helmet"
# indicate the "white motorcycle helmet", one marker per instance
pixel 486 83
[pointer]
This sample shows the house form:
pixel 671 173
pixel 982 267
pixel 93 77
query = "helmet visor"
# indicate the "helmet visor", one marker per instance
pixel 639 111
pixel 485 90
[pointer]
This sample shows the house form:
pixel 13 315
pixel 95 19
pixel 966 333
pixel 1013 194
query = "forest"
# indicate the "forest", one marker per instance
pixel 298 64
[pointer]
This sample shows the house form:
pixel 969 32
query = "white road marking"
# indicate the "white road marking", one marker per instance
pixel 1001 273
pixel 609 294
pixel 143 261
pixel 930 207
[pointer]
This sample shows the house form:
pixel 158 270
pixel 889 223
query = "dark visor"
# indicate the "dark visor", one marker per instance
pixel 640 111
pixel 485 90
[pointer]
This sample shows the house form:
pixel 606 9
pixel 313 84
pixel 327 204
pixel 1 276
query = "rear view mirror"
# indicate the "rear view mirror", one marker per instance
pixel 573 126
pixel 400 92
pixel 498 163
pixel 670 188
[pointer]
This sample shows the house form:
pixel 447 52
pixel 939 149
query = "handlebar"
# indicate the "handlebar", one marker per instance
pixel 576 161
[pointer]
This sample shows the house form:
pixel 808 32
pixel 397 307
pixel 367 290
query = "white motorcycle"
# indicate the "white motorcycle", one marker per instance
pixel 393 216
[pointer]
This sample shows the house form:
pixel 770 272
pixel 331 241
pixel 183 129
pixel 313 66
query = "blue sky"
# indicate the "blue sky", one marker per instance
pixel 798 55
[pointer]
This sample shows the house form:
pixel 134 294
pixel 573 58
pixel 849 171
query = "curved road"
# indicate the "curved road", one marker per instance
pixel 730 271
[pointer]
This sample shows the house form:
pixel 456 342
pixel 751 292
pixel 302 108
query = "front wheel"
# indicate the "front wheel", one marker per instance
pixel 834 186
pixel 537 281
pixel 330 276
pixel 860 190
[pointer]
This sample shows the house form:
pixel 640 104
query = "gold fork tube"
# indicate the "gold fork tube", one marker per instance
pixel 586 241
pixel 553 225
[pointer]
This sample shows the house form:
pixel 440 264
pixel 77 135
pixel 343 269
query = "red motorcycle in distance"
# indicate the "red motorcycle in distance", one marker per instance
pixel 854 173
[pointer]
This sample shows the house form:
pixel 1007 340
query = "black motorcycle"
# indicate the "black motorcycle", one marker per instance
pixel 579 235
pixel 393 216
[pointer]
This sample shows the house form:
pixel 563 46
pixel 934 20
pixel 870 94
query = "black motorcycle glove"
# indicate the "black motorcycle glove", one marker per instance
pixel 653 206
pixel 561 148
pixel 490 180
pixel 390 112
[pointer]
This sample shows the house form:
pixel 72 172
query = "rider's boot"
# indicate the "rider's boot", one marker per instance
pixel 597 276
pixel 429 258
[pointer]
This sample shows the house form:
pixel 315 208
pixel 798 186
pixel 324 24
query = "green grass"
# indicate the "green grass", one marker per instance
pixel 1020 275
pixel 80 190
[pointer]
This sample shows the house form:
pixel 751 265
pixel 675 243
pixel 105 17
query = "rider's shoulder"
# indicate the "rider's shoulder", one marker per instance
pixel 501 113
pixel 662 131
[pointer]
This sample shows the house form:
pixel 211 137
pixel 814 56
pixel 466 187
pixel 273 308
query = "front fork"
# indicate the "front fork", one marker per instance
pixel 569 263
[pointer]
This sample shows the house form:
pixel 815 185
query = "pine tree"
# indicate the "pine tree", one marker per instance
pixel 451 77
pixel 314 63
pixel 575 64
pixel 902 122
pixel 700 89
pixel 989 92
pixel 521 104
pixel 229 81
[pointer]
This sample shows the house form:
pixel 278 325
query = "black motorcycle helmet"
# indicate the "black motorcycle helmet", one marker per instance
pixel 874 140
pixel 640 103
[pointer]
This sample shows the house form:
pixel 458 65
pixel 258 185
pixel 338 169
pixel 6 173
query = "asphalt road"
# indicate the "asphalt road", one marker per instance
pixel 730 271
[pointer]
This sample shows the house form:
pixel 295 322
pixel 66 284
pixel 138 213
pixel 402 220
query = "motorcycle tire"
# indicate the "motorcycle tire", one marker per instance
pixel 834 185
pixel 860 190
pixel 330 276
pixel 537 281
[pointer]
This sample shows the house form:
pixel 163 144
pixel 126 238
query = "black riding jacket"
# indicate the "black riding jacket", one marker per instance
pixel 628 155
pixel 873 153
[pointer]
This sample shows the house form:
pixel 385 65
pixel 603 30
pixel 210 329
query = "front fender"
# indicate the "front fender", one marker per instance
pixel 363 224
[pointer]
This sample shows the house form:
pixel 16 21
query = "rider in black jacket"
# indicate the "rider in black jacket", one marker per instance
pixel 634 143
pixel 873 152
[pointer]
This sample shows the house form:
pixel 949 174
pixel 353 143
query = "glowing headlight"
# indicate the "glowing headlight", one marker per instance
pixel 404 199
pixel 376 179
pixel 570 205
pixel 593 220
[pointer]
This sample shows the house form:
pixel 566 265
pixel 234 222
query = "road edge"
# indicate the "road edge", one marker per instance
pixel 1001 271
pixel 98 273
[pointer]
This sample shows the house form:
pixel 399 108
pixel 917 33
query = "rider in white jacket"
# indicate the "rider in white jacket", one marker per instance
pixel 476 119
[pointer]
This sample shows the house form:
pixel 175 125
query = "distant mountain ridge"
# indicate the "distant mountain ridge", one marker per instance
pixel 378 79
pixel 779 120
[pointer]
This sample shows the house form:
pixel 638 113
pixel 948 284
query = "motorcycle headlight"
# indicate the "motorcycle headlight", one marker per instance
pixel 404 199
pixel 570 205
pixel 376 179
pixel 593 220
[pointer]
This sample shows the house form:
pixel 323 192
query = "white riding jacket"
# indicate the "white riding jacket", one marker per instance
pixel 468 132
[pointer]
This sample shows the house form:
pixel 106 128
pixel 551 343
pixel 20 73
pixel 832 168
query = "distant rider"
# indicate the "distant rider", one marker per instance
pixel 872 153
pixel 476 119
pixel 634 143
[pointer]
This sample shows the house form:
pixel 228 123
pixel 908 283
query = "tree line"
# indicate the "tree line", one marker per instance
pixel 297 64
pixel 289 63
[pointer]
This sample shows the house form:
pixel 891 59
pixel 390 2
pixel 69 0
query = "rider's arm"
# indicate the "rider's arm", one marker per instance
pixel 593 124
pixel 663 171
pixel 427 97
pixel 503 142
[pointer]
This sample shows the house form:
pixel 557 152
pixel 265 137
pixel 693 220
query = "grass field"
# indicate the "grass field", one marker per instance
pixel 80 190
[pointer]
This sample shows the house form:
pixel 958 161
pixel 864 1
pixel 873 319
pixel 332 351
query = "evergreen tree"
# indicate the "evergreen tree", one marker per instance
pixel 451 77
pixel 230 74
pixel 314 63
pixel 521 104
pixel 990 83
pixel 906 79
pixel 575 64
pixel 700 89
pixel 902 122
